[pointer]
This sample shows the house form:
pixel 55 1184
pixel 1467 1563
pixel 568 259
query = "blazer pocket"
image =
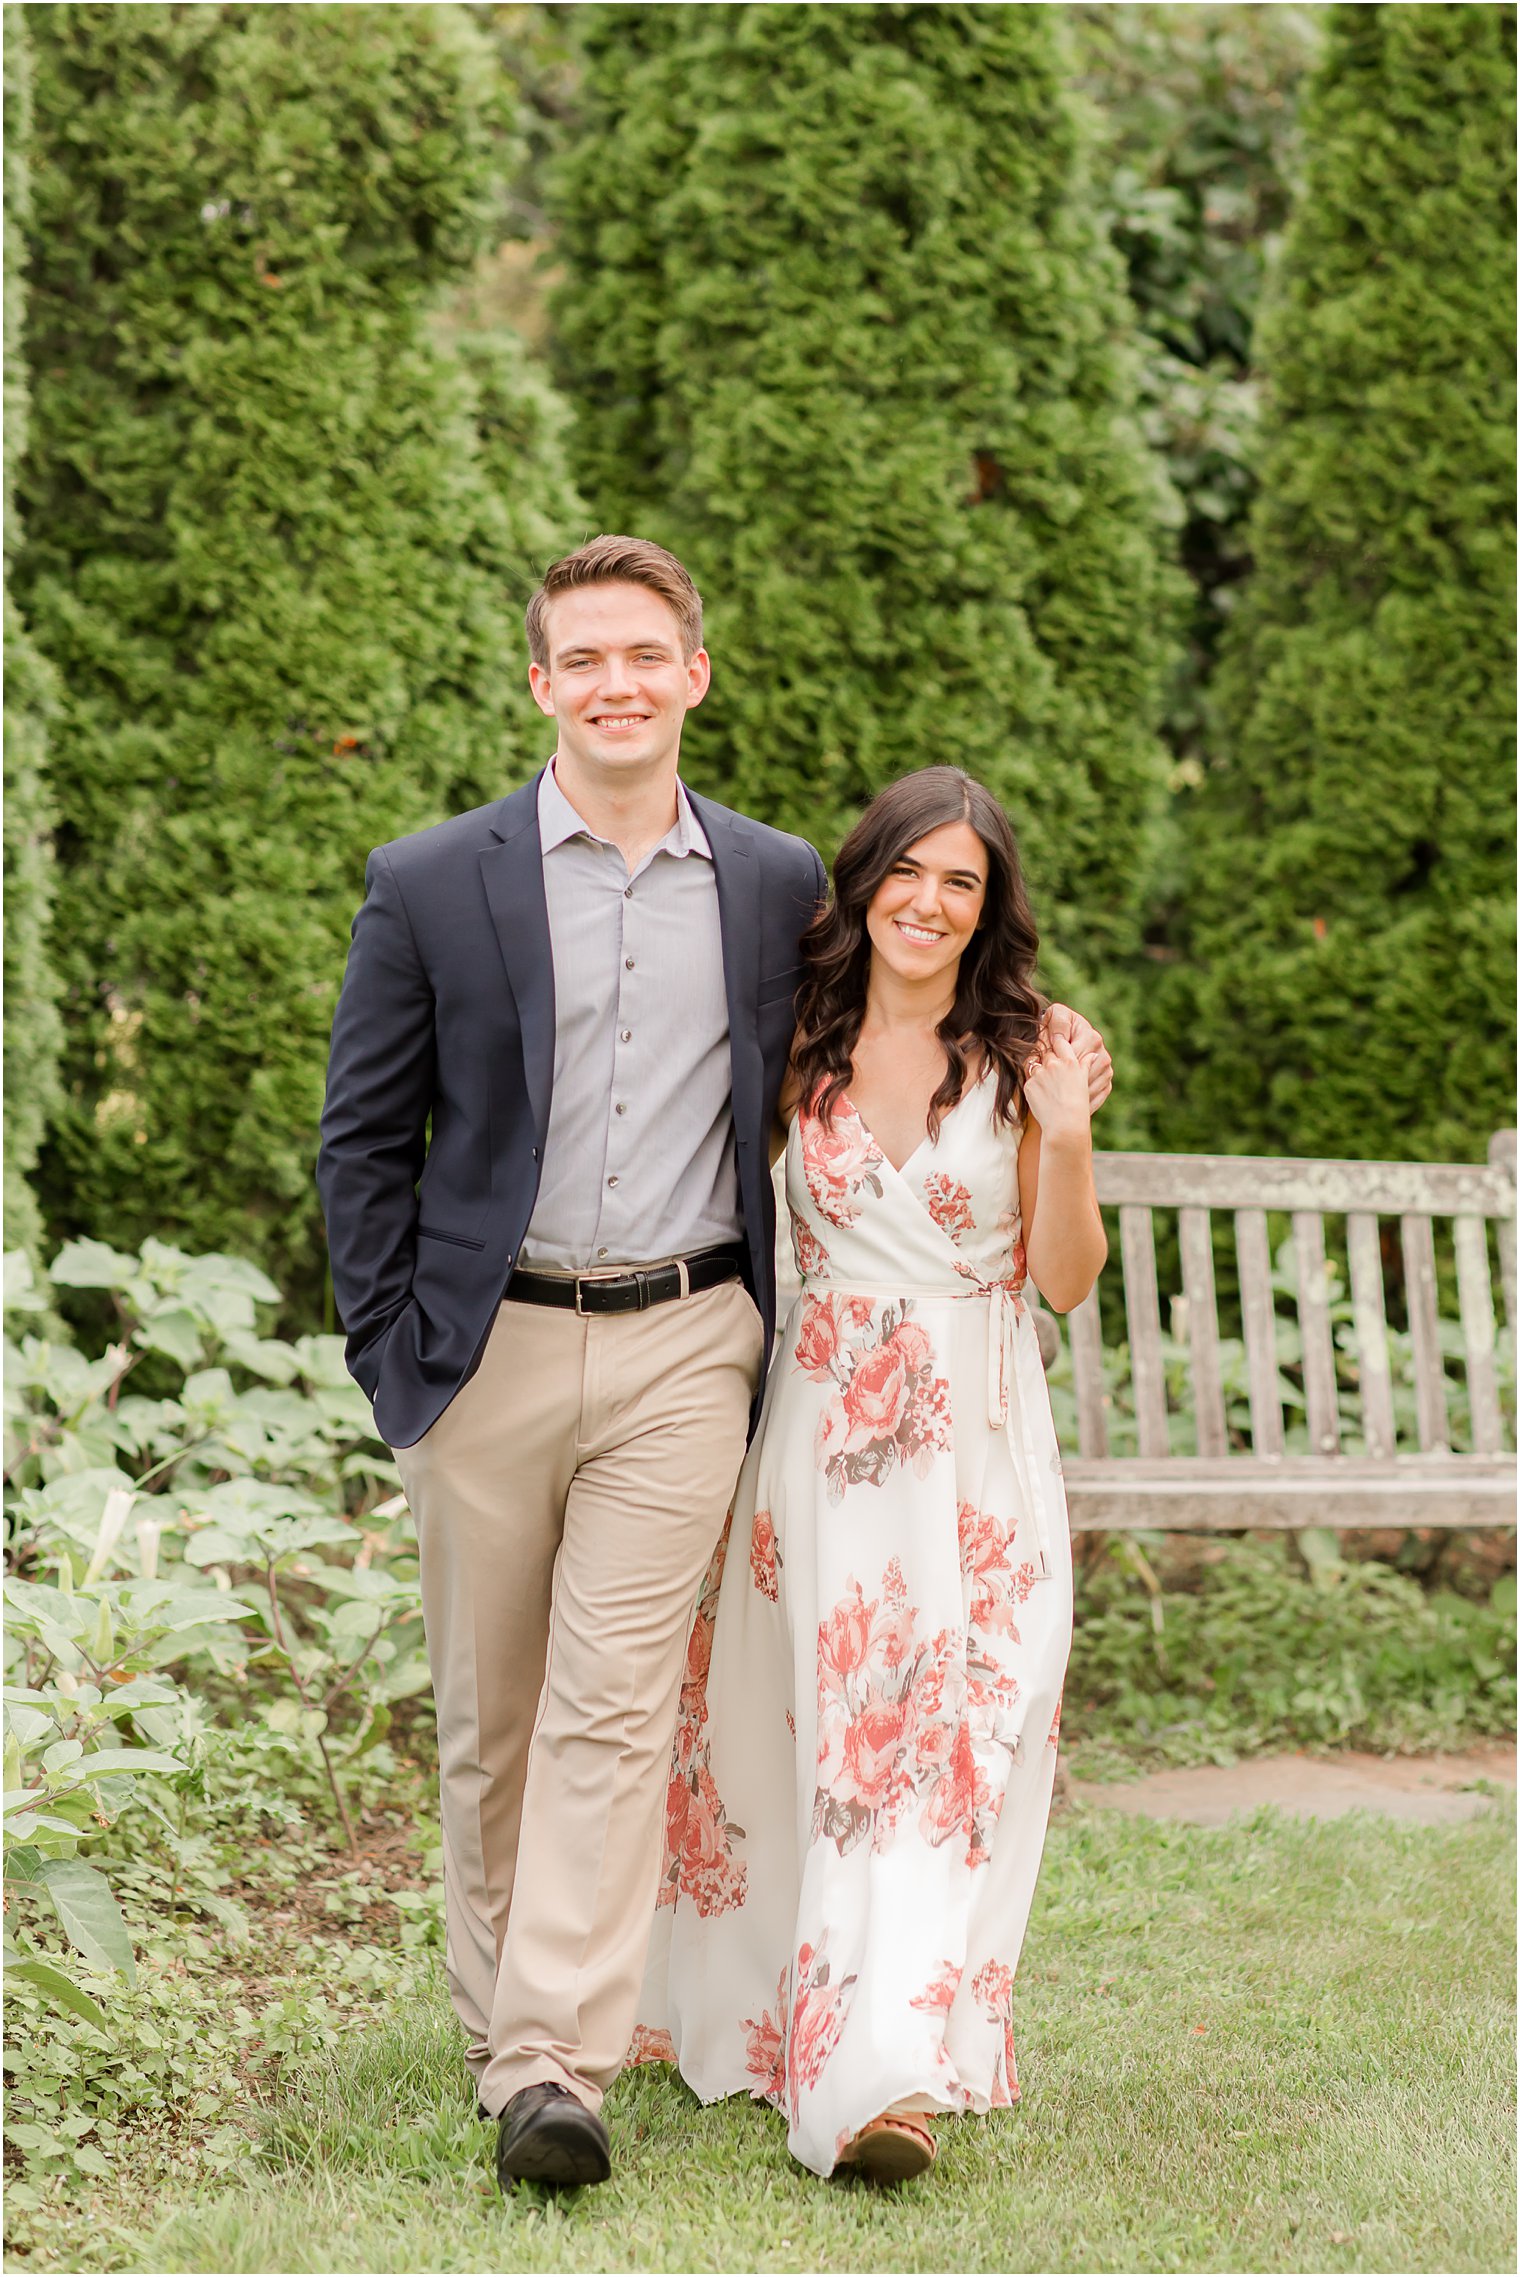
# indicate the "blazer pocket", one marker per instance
pixel 460 1240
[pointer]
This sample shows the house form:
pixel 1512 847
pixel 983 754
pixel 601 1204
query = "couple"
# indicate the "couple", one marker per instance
pixel 569 1025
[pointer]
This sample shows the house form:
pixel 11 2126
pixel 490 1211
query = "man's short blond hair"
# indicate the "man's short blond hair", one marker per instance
pixel 616 561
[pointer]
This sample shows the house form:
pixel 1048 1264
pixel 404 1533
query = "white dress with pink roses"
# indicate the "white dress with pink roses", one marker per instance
pixel 867 1744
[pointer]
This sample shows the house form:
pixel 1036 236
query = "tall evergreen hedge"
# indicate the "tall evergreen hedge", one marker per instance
pixel 838 325
pixel 31 1016
pixel 1349 987
pixel 1198 118
pixel 279 544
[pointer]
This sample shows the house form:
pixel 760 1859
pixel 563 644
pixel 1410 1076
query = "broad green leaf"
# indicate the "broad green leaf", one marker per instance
pixel 321 1362
pixel 61 1754
pixel 90 1915
pixel 208 1387
pixel 218 1270
pixel 407 1678
pixel 21 1291
pixel 353 1621
pixel 91 1265
pixel 176 1333
pixel 162 1725
pixel 74 1503
pixel 58 1987
pixel 379 1724
pixel 153 1606
pixel 138 1693
pixel 23 1864
pixel 111 1762
pixel 164 1261
pixel 263 1356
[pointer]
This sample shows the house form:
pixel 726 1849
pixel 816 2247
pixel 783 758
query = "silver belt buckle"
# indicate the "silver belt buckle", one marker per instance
pixel 580 1310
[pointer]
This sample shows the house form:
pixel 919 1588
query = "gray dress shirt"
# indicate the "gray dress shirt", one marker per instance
pixel 639 1160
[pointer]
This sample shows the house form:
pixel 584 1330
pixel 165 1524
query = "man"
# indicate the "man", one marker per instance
pixel 544 1165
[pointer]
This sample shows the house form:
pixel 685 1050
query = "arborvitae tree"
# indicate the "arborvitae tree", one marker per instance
pixel 839 327
pixel 31 1017
pixel 274 552
pixel 1350 911
pixel 1198 140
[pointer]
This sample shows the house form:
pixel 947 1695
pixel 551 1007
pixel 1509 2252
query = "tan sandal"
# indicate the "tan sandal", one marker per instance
pixel 890 2149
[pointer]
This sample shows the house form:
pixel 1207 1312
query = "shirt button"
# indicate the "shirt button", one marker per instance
pixel 620 1109
pixel 628 893
pixel 626 1035
pixel 612 1181
pixel 601 1253
pixel 628 963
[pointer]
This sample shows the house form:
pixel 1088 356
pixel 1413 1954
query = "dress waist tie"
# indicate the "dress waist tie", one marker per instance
pixel 1007 1409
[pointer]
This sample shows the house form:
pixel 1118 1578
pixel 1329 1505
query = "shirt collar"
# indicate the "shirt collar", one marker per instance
pixel 558 821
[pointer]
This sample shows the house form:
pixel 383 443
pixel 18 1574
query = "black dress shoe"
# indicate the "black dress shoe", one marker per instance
pixel 548 2135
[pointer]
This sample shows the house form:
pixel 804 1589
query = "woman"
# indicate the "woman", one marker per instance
pixel 867 1744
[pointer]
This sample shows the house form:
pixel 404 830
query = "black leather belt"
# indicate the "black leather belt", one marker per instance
pixel 633 1291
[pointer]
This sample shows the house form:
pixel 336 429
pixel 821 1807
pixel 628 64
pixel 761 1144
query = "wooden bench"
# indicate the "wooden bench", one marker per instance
pixel 1247 1478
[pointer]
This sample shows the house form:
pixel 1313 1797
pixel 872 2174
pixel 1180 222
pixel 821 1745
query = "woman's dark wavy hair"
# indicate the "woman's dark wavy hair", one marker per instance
pixel 997 1006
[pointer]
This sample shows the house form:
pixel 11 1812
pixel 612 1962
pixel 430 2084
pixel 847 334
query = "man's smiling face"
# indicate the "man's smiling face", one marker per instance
pixel 617 684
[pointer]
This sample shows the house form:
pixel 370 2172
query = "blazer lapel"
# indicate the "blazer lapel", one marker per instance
pixel 738 880
pixel 512 868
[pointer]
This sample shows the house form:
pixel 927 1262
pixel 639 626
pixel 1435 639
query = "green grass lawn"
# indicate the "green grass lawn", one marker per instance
pixel 1277 2045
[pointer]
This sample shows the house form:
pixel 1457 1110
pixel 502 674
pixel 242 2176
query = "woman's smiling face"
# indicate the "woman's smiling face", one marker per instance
pixel 921 917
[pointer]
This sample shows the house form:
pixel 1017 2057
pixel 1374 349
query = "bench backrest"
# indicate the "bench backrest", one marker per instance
pixel 1415 1193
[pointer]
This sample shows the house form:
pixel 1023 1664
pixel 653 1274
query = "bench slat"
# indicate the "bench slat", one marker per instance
pixel 1314 1328
pixel 1203 1331
pixel 1476 1298
pixel 1187 1496
pixel 1370 1322
pixel 1148 1377
pixel 1259 1316
pixel 1501 1155
pixel 1245 1181
pixel 1084 1326
pixel 1418 1243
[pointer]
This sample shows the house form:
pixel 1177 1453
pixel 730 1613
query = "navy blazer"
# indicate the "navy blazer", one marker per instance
pixel 442 1065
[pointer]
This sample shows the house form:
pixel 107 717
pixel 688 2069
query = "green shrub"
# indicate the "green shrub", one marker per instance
pixel 1258 1655
pixel 31 986
pixel 840 327
pixel 172 1557
pixel 1198 124
pixel 1348 909
pixel 279 542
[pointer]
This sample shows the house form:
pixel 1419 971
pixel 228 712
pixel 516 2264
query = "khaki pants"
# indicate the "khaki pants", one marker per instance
pixel 567 1502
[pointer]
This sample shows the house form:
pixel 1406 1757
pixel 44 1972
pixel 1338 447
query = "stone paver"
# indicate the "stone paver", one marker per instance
pixel 1426 1789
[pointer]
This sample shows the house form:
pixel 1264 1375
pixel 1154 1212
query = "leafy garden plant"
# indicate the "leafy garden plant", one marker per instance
pixel 202 1537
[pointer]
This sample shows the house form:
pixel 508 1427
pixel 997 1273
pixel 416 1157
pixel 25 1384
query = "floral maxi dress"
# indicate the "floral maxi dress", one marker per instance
pixel 866 1749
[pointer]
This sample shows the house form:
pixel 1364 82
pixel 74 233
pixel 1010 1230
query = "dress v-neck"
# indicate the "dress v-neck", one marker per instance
pixel 901 1171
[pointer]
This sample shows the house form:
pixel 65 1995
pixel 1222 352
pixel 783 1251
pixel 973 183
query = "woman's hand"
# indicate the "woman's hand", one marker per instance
pixel 1064 1241
pixel 1085 1041
pixel 1056 1090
